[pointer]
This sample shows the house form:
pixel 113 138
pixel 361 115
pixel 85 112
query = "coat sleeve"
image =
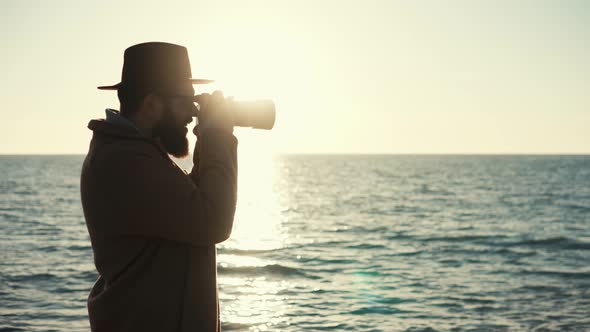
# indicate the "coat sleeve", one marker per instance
pixel 149 197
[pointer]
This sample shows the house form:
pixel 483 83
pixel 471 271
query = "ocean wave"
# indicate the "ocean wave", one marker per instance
pixel 234 326
pixel 426 189
pixel 585 275
pixel 361 229
pixel 400 236
pixel 559 242
pixel 25 192
pixel 12 329
pixel 329 244
pixel 463 238
pixel 12 209
pixel 366 246
pixel 406 253
pixel 25 280
pixel 272 269
pixel 581 208
pixel 246 252
pixel 383 310
pixel 48 249
pixel 480 252
pixel 527 289
pixel 324 261
pixel 88 276
pixel 329 327
pixel 79 247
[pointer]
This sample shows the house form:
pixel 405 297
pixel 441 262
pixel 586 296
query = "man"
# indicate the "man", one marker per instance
pixel 153 227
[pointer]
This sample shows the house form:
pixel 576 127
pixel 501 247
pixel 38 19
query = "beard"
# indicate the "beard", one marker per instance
pixel 172 134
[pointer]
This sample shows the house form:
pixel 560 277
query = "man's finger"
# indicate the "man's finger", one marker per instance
pixel 202 99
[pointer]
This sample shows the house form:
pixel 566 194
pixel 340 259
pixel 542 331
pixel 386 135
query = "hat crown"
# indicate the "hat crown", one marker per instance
pixel 155 64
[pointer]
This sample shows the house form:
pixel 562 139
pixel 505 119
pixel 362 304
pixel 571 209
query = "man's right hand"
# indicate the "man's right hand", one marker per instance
pixel 214 112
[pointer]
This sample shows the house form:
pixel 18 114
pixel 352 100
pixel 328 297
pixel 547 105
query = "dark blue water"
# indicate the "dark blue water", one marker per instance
pixel 342 243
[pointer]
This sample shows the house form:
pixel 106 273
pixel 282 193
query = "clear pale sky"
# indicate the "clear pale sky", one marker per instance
pixel 346 76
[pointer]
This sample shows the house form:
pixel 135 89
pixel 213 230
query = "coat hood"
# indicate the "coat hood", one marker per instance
pixel 101 126
pixel 115 125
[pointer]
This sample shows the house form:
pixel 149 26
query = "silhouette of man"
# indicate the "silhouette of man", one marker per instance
pixel 153 227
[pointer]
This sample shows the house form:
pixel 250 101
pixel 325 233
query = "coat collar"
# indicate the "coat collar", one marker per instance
pixel 113 116
pixel 117 126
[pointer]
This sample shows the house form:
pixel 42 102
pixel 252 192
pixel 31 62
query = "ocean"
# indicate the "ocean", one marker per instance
pixel 338 243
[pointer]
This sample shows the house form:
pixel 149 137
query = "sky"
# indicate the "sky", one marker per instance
pixel 453 77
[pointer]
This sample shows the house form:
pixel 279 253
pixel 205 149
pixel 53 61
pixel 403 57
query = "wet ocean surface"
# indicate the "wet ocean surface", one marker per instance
pixel 338 243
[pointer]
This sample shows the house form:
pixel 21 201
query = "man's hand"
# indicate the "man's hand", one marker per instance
pixel 214 112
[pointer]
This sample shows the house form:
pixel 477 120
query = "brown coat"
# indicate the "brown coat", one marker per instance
pixel 154 228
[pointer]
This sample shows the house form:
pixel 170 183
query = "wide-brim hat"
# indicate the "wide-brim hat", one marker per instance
pixel 158 67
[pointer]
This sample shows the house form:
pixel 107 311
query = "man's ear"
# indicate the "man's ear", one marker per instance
pixel 154 106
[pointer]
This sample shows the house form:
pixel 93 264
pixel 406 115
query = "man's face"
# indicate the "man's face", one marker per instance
pixel 171 129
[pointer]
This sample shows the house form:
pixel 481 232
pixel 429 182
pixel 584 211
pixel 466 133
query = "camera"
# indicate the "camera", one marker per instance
pixel 257 114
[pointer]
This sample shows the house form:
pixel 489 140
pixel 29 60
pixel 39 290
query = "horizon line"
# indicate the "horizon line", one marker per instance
pixel 364 154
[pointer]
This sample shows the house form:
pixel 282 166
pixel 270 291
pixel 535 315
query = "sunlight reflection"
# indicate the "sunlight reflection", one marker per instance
pixel 255 302
pixel 239 261
pixel 257 224
pixel 250 293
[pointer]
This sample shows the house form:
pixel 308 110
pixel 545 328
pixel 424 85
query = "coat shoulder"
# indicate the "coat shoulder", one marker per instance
pixel 121 149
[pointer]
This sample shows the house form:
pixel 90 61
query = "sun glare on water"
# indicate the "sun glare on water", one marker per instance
pixel 248 294
pixel 257 222
pixel 253 63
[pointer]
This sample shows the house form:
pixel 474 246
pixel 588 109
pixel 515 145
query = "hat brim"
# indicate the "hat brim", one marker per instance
pixel 118 85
